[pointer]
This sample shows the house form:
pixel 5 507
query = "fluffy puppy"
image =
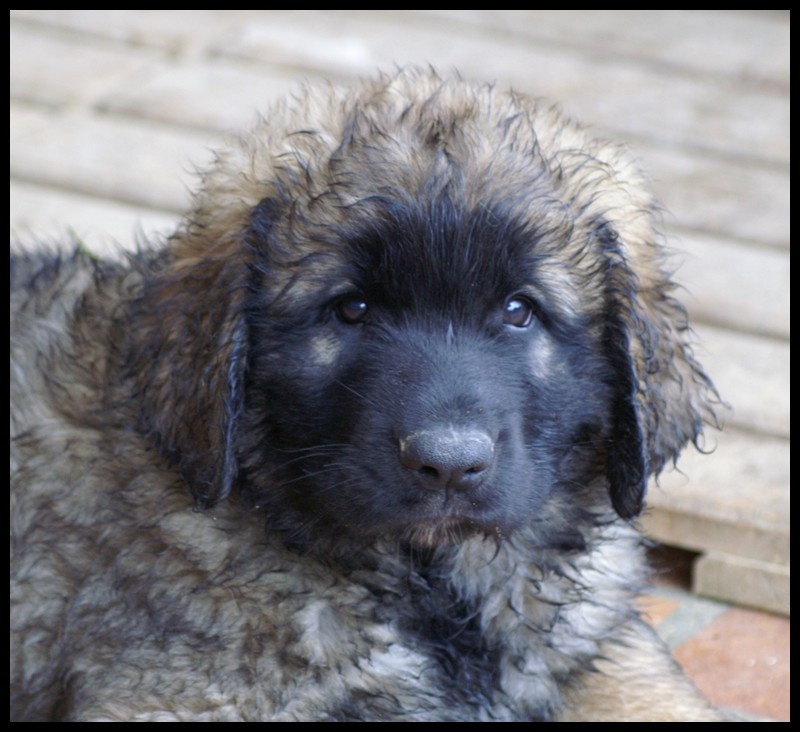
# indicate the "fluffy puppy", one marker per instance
pixel 364 439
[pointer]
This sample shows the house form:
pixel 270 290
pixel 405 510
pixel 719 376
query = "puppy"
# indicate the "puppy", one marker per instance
pixel 365 439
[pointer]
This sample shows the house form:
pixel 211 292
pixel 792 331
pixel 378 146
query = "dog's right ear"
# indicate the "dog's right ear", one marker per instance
pixel 187 363
pixel 189 336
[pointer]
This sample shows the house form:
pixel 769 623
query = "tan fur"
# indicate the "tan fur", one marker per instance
pixel 130 411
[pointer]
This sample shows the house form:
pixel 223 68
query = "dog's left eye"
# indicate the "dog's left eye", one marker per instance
pixel 519 311
pixel 352 308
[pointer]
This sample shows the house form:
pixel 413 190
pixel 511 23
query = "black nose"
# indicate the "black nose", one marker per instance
pixel 448 457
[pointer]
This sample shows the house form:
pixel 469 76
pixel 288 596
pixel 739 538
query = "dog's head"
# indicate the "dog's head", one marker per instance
pixel 419 310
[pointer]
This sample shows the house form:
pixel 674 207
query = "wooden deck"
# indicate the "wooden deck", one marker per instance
pixel 112 110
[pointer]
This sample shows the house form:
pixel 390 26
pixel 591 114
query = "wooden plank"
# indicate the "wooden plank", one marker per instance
pixel 734 197
pixel 179 32
pixel 729 195
pixel 677 41
pixel 54 215
pixel 743 581
pixel 631 100
pixel 709 41
pixel 86 67
pixel 143 165
pixel 734 500
pixel 726 113
pixel 209 94
pixel 752 373
pixel 731 284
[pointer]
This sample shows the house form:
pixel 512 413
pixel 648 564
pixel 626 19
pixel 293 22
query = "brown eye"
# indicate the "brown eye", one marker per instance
pixel 519 311
pixel 352 308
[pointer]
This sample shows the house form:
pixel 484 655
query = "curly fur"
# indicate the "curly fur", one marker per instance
pixel 364 439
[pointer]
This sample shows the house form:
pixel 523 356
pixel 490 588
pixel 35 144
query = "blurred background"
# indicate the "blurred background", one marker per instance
pixel 113 111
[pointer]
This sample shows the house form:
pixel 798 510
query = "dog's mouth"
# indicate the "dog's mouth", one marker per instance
pixel 447 520
pixel 433 534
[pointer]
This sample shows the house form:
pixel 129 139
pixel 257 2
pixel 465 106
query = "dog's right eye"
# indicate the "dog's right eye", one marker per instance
pixel 519 311
pixel 351 309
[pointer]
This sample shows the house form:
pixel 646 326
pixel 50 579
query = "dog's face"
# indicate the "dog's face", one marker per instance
pixel 439 310
pixel 431 384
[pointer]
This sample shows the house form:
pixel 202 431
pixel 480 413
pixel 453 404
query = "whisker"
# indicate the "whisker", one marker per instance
pixel 365 399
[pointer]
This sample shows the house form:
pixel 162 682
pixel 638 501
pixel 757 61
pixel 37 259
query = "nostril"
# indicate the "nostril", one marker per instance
pixel 427 470
pixel 448 457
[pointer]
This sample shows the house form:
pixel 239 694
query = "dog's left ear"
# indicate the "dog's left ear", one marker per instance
pixel 662 397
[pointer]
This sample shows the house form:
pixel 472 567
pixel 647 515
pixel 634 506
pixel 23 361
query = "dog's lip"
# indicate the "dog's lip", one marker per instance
pixel 442 528
pixel 448 517
pixel 447 506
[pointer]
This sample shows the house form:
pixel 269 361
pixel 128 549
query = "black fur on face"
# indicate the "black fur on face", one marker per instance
pixel 432 386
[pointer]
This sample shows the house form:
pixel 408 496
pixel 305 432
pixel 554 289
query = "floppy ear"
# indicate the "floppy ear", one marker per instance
pixel 188 336
pixel 662 397
pixel 627 464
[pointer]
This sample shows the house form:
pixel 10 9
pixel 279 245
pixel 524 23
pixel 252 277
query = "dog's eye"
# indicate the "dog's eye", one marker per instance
pixel 352 308
pixel 518 311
